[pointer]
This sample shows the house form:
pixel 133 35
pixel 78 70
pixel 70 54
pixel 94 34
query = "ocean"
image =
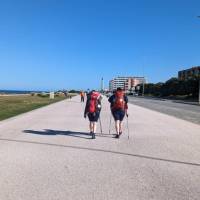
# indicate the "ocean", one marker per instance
pixel 17 92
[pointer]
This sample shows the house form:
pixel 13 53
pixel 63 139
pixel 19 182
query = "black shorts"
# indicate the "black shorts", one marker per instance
pixel 93 117
pixel 118 115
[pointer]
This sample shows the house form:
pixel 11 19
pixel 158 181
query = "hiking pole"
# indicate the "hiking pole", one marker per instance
pixel 127 126
pixel 100 124
pixel 110 122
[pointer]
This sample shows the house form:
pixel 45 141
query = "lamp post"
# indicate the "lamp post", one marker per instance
pixel 199 79
pixel 143 87
pixel 143 81
pixel 102 85
pixel 199 90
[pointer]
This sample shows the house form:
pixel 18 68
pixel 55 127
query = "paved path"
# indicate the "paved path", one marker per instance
pixel 47 155
pixel 184 111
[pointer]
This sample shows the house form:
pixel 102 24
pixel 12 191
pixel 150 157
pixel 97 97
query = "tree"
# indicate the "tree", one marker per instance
pixel 172 87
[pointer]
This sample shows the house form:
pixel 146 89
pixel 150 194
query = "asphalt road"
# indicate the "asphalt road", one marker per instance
pixel 47 154
pixel 180 110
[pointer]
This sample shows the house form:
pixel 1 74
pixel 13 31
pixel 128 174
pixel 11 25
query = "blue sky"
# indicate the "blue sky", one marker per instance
pixel 55 44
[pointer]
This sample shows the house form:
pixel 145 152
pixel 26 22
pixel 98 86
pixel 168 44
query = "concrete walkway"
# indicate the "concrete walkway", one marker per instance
pixel 47 154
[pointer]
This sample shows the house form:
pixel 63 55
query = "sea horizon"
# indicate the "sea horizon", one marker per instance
pixel 18 91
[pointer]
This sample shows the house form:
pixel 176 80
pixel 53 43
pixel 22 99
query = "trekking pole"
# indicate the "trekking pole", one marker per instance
pixel 127 126
pixel 100 124
pixel 110 122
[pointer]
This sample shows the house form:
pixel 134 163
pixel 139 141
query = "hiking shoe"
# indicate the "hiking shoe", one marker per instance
pixel 120 133
pixel 117 136
pixel 93 136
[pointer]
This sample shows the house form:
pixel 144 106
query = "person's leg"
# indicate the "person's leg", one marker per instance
pixel 117 124
pixel 94 127
pixel 91 127
pixel 120 127
pixel 117 120
pixel 121 117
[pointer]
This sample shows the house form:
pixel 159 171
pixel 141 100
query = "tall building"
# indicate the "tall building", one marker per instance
pixel 111 85
pixel 189 73
pixel 126 83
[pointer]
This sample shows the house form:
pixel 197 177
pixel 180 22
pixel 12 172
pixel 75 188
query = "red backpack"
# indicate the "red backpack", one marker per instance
pixel 119 103
pixel 93 102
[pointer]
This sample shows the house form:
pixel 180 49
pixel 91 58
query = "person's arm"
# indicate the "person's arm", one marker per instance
pixel 86 108
pixel 126 105
pixel 100 98
pixel 99 102
pixel 110 99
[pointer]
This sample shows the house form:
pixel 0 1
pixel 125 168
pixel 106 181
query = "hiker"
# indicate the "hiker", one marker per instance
pixel 65 93
pixel 119 106
pixel 92 110
pixel 82 96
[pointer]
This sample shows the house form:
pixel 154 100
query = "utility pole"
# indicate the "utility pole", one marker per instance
pixel 199 90
pixel 143 88
pixel 143 82
pixel 199 79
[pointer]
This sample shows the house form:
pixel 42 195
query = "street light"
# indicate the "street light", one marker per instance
pixel 102 85
pixel 199 90
pixel 143 82
pixel 143 86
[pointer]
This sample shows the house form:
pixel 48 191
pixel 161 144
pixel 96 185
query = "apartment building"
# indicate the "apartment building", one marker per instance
pixel 127 83
pixel 189 73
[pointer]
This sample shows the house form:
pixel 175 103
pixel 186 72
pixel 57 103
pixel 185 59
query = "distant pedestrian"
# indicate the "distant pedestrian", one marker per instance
pixel 82 94
pixel 92 110
pixel 65 93
pixel 119 106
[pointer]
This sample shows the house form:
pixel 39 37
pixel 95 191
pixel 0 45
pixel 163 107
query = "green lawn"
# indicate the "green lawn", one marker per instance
pixel 14 105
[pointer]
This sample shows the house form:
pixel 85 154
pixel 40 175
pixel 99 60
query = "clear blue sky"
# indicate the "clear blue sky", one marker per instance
pixel 55 44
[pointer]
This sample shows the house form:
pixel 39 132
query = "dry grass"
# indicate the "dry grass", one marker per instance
pixel 13 105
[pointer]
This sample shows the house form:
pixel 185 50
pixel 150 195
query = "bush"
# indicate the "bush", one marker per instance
pixel 172 87
pixel 43 95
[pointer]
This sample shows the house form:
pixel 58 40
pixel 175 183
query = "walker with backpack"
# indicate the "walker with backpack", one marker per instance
pixel 119 104
pixel 94 105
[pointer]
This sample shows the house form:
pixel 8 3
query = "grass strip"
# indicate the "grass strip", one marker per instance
pixel 11 106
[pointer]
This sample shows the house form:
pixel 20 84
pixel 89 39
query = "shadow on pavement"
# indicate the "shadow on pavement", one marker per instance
pixel 48 132
pixel 104 151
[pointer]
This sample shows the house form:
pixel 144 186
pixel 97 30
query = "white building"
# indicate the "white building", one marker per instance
pixel 111 85
pixel 126 83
